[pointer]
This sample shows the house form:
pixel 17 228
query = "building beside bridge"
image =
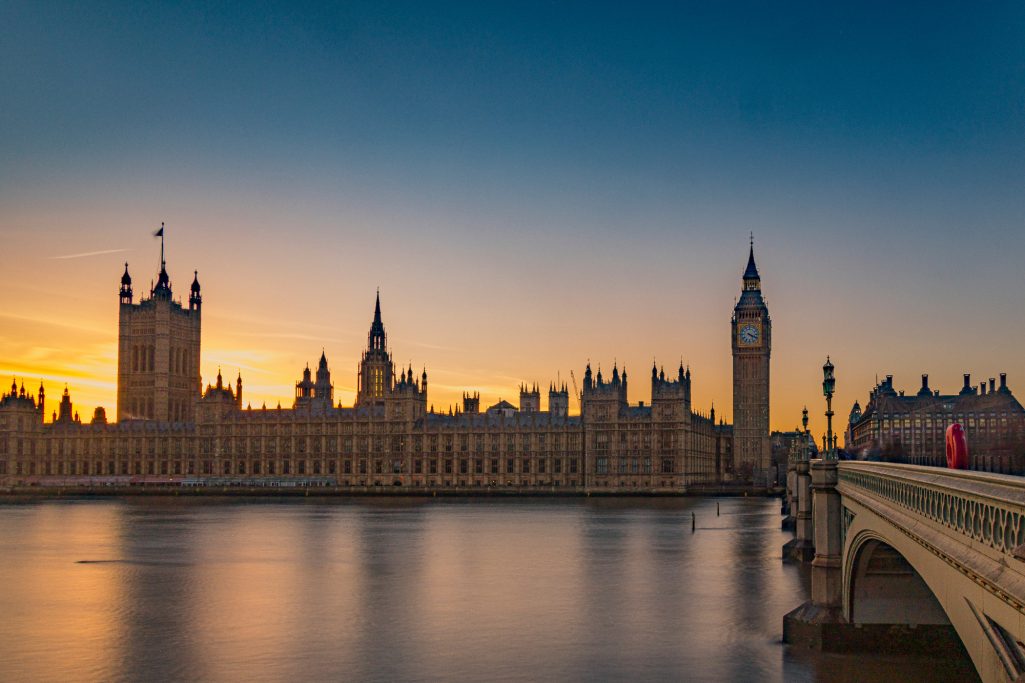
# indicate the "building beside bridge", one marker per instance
pixel 170 429
pixel 912 428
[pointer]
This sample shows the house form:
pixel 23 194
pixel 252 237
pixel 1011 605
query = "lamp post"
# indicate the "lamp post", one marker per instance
pixel 828 387
pixel 807 434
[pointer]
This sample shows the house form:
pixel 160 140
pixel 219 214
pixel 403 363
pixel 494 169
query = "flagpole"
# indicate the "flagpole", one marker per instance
pixel 161 246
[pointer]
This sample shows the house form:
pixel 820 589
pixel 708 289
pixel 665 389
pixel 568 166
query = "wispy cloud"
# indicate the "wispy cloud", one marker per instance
pixel 284 335
pixel 88 253
pixel 55 323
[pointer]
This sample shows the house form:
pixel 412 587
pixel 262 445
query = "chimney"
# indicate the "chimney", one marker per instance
pixel 992 385
pixel 967 383
pixel 924 391
pixel 982 389
pixel 1003 382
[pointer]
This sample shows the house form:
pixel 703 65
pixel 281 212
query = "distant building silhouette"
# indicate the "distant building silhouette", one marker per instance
pixel 158 352
pixel 171 430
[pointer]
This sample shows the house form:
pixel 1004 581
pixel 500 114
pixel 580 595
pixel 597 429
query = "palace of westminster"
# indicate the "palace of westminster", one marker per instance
pixel 170 430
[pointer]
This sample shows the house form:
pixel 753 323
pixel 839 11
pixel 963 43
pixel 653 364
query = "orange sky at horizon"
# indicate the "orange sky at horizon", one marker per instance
pixel 474 339
pixel 531 188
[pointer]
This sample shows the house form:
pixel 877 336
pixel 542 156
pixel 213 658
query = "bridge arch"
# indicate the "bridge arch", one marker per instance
pixel 917 556
pixel 947 586
pixel 882 586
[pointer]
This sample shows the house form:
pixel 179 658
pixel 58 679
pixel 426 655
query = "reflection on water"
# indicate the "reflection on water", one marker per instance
pixel 387 590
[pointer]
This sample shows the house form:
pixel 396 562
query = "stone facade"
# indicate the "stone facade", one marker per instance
pixel 158 352
pixel 912 429
pixel 389 439
pixel 751 334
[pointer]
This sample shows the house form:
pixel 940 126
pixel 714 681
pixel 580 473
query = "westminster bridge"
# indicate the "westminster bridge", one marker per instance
pixel 906 555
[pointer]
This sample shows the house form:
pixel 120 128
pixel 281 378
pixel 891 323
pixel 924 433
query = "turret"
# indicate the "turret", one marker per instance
pixel 65 412
pixel 670 389
pixel 304 388
pixel 323 390
pixel 855 413
pixel 126 286
pixel 530 399
pixel 238 390
pixel 558 401
pixel 195 299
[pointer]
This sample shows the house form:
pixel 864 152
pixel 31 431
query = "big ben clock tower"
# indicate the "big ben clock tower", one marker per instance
pixel 751 331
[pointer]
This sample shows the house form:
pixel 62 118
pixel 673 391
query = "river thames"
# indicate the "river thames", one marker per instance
pixel 156 589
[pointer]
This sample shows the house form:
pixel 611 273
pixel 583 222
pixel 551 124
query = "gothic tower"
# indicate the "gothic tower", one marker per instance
pixel 323 390
pixel 751 333
pixel 376 370
pixel 158 351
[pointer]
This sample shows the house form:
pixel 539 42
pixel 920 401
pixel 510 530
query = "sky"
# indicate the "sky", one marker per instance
pixel 530 185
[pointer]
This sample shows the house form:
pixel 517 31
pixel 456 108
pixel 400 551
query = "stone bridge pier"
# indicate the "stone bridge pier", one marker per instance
pixel 910 558
pixel 802 547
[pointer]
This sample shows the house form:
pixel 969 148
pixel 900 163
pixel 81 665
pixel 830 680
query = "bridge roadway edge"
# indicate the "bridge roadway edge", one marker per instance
pixel 981 581
pixel 977 582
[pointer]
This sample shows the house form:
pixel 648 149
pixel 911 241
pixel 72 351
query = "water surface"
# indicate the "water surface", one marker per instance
pixel 145 589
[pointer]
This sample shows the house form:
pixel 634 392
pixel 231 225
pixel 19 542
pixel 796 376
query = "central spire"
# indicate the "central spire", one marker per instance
pixel 751 273
pixel 752 282
pixel 377 336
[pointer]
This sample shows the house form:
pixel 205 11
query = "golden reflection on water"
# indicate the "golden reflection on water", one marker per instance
pixel 61 617
pixel 404 589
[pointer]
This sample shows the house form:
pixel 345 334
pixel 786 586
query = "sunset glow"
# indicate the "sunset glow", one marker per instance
pixel 514 235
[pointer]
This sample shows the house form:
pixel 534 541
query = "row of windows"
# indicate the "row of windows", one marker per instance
pixel 361 466
pixel 144 359
pixel 942 423
pixel 605 465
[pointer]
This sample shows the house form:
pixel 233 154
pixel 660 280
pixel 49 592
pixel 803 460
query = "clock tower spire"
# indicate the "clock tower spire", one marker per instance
pixel 751 333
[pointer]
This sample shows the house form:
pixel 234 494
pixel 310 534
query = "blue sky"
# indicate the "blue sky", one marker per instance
pixel 589 167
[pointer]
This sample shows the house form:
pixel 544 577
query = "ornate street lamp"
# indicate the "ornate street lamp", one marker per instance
pixel 828 387
pixel 807 434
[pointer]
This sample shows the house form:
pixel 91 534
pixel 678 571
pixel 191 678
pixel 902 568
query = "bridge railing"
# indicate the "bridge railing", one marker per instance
pixel 988 509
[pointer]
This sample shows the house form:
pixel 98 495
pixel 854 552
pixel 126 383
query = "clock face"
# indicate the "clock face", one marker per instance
pixel 749 335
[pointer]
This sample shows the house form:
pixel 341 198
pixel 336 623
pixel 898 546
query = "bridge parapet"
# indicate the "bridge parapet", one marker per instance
pixel 927 545
pixel 986 509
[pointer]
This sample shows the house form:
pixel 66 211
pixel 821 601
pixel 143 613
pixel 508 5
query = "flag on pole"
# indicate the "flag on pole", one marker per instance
pixel 160 232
